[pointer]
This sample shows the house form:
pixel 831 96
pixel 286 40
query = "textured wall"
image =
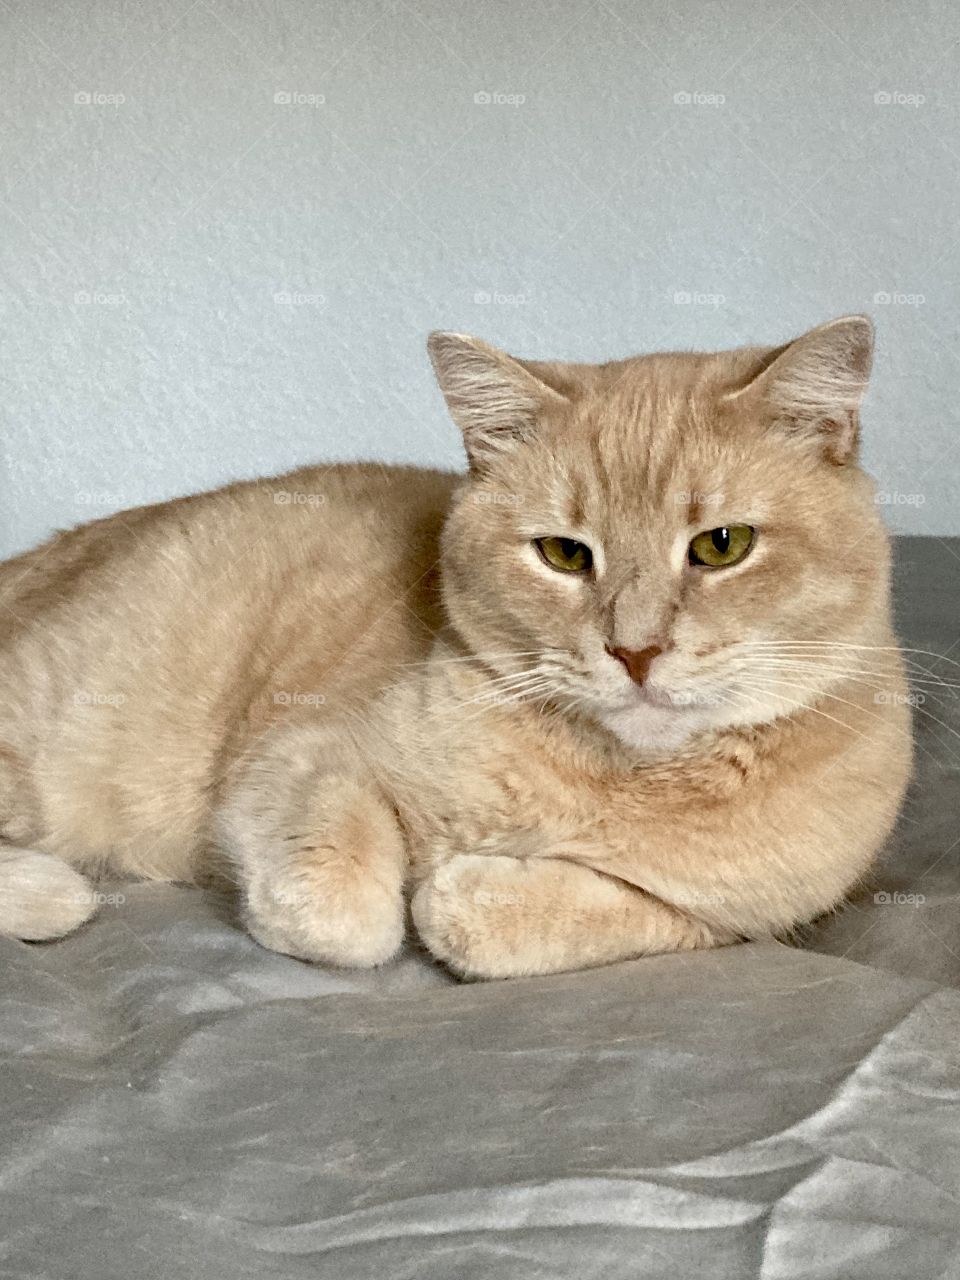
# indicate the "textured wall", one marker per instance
pixel 226 226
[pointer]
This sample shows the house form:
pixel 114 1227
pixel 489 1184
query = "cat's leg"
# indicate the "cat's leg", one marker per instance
pixel 488 916
pixel 41 896
pixel 317 851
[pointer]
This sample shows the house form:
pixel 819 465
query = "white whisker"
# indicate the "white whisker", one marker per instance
pixel 785 645
pixel 773 680
pixel 798 704
pixel 803 666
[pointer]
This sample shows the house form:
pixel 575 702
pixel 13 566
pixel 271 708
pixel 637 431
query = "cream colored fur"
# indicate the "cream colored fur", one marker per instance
pixel 350 688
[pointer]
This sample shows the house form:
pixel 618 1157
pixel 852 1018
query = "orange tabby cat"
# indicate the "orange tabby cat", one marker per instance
pixel 615 691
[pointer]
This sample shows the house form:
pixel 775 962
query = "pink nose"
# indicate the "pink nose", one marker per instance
pixel 637 661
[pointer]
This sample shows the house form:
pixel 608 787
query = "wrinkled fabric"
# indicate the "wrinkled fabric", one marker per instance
pixel 177 1101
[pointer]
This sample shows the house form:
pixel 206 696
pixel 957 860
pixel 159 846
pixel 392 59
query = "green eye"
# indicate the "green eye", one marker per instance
pixel 719 548
pixel 565 554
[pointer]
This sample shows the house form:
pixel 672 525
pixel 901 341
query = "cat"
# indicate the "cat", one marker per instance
pixel 612 692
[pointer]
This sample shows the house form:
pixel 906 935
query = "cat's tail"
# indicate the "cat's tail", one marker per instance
pixel 41 896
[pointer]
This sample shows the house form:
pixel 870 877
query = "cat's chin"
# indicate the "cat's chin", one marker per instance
pixel 656 722
pixel 651 727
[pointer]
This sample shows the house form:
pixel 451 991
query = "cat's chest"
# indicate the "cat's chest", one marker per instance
pixel 505 788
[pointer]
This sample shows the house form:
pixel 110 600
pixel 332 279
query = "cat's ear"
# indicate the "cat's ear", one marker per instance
pixel 813 386
pixel 492 398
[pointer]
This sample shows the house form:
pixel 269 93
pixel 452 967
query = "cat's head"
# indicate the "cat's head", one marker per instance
pixel 665 543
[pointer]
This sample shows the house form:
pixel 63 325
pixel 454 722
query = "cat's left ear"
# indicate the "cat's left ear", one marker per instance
pixel 494 400
pixel 813 386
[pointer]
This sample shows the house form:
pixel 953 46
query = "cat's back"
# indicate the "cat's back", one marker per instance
pixel 311 515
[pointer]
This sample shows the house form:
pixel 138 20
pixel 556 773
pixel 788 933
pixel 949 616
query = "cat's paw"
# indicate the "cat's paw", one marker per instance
pixel 41 896
pixel 335 898
pixel 473 914
pixel 305 911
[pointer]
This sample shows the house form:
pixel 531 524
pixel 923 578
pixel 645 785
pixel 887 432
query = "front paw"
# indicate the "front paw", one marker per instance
pixel 472 913
pixel 334 896
pixel 303 912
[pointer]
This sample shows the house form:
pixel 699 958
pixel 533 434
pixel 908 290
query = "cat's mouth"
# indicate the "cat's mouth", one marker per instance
pixel 680 700
pixel 635 697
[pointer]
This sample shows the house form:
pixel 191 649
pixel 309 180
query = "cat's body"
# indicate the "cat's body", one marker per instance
pixel 355 685
pixel 163 641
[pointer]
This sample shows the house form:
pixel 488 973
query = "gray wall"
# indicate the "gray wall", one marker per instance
pixel 227 226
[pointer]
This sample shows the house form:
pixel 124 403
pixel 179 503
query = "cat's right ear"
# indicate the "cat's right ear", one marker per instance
pixel 492 398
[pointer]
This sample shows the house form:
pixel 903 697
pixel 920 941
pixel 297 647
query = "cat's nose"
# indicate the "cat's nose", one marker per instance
pixel 637 661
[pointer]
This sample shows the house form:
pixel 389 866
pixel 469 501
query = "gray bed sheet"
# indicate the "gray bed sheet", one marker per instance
pixel 177 1101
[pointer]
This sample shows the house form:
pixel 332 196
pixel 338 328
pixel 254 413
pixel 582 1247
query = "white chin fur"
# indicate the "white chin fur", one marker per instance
pixel 647 727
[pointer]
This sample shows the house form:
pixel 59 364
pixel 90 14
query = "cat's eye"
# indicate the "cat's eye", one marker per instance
pixel 565 554
pixel 719 548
